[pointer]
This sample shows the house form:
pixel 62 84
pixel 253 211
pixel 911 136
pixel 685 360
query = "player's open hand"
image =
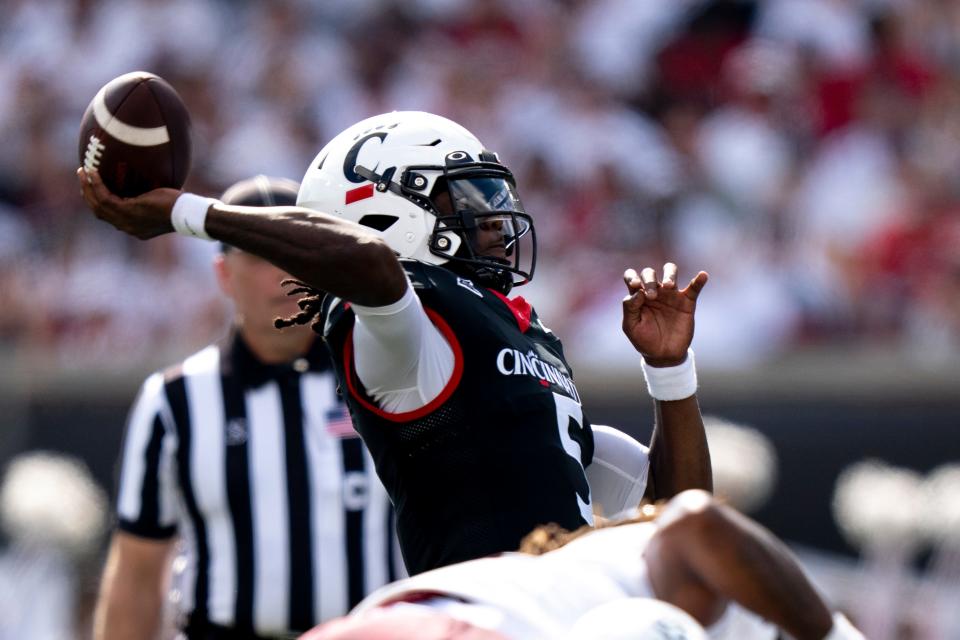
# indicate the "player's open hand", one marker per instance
pixel 145 216
pixel 657 316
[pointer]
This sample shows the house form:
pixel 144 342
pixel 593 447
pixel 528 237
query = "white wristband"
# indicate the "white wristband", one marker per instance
pixel 672 383
pixel 843 630
pixel 189 215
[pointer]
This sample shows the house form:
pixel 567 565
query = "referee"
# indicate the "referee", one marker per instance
pixel 244 453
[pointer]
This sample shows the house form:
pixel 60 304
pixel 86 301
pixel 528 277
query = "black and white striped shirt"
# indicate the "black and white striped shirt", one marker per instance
pixel 283 521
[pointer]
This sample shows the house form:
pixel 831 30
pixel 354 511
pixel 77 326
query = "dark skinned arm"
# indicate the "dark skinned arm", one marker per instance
pixel 705 554
pixel 324 251
pixel 658 320
pixel 679 456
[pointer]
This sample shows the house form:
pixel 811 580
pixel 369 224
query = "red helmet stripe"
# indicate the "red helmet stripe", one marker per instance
pixel 360 193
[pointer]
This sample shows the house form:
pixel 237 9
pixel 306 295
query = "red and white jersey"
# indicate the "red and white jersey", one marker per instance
pixel 539 596
pixel 530 597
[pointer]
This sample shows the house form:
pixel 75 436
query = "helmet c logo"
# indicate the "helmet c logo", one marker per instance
pixel 350 161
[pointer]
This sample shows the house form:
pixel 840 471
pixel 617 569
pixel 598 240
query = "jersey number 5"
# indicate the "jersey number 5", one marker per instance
pixel 570 426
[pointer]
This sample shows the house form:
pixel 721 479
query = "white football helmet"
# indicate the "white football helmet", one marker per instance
pixel 426 185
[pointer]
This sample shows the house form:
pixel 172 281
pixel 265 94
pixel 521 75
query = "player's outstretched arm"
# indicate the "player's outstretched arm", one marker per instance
pixel 658 319
pixel 705 554
pixel 324 251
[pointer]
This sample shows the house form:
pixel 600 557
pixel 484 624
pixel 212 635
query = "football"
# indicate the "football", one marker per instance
pixel 136 133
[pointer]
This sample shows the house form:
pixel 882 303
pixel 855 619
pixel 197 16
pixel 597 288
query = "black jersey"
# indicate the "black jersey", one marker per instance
pixel 500 451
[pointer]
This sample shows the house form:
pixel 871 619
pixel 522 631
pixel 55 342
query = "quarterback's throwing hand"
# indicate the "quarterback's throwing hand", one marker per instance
pixel 145 216
pixel 657 316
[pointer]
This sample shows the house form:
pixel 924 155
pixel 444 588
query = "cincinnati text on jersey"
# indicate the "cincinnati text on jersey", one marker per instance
pixel 512 362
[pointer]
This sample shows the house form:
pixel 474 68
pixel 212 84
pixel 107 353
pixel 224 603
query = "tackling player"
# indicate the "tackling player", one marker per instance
pixel 463 395
pixel 694 553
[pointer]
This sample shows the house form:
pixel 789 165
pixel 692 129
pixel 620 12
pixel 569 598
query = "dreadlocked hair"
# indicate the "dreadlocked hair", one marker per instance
pixel 550 537
pixel 309 305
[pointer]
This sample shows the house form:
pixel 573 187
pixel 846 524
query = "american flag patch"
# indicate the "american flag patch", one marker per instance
pixel 339 424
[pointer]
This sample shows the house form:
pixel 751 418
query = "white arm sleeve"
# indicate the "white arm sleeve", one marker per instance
pixel 401 358
pixel 618 473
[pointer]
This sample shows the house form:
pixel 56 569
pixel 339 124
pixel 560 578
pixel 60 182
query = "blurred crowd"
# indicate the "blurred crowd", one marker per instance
pixel 806 154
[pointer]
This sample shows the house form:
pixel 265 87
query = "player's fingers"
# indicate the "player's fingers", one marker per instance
pixel 90 201
pixel 82 180
pixel 82 174
pixel 101 201
pixel 99 189
pixel 633 302
pixel 86 190
pixel 650 285
pixel 669 276
pixel 87 182
pixel 632 280
pixel 696 285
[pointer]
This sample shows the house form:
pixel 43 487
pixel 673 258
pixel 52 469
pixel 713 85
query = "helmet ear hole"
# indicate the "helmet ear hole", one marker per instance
pixel 415 181
pixel 446 242
pixel 378 221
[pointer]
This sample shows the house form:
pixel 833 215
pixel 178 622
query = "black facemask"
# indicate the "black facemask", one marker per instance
pixel 469 197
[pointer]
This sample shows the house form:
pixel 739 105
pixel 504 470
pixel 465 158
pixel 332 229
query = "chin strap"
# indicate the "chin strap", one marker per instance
pixel 383 182
pixel 489 277
pixel 497 279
